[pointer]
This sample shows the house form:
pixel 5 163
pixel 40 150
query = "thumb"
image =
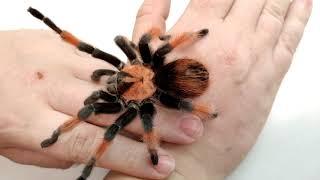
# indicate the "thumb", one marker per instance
pixel 152 13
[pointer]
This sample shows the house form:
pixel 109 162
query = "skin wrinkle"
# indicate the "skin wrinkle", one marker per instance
pixel 176 175
pixel 80 149
pixel 260 14
pixel 212 7
pixel 228 11
pixel 288 37
pixel 276 11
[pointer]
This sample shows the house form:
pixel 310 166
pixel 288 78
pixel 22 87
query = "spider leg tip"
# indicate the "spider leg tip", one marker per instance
pixel 35 13
pixel 164 37
pixel 214 115
pixel 81 178
pixel 203 32
pixel 154 157
pixel 54 137
pixel 46 143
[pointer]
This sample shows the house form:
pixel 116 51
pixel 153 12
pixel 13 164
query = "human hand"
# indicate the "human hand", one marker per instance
pixel 248 51
pixel 44 82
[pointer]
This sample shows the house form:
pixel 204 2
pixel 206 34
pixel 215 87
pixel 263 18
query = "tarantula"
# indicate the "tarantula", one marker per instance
pixel 137 86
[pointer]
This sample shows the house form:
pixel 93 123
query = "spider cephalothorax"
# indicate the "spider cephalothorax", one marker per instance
pixel 137 85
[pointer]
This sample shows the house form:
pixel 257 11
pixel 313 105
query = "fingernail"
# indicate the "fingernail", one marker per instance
pixel 166 165
pixel 191 126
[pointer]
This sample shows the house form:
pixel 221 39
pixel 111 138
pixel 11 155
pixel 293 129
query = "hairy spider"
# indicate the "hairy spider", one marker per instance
pixel 137 86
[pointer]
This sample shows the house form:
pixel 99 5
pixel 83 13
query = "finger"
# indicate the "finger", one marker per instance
pixel 271 21
pixel 172 126
pixel 246 13
pixel 68 97
pixel 29 157
pixel 78 145
pixel 152 13
pixel 219 8
pixel 294 26
pixel 83 66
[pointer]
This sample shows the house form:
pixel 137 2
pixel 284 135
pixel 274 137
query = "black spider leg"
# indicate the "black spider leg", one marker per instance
pixel 144 44
pixel 174 42
pixel 147 112
pixel 177 103
pixel 128 48
pixel 82 46
pixel 122 121
pixel 173 101
pixel 144 48
pixel 83 115
pixel 165 37
pixel 97 74
pixel 100 94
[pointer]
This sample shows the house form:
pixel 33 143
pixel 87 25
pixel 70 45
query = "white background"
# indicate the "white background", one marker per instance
pixel 287 149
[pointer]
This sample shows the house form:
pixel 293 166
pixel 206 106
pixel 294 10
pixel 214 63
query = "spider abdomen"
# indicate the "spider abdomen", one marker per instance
pixel 186 78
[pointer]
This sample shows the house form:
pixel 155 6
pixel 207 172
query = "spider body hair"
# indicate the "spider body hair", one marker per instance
pixel 137 85
pixel 185 78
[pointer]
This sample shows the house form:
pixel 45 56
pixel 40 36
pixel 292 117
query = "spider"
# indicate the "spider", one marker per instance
pixel 137 86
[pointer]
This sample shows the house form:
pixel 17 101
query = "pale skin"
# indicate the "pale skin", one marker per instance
pixel 248 51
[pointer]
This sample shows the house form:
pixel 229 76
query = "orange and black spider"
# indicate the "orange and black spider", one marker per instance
pixel 137 86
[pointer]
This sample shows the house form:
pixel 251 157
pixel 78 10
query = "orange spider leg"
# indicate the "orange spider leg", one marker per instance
pixel 174 42
pixel 73 40
pixel 65 127
pixel 111 132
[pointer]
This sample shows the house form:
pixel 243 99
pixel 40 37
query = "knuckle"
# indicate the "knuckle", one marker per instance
pixel 204 3
pixel 80 146
pixel 282 58
pixel 288 40
pixel 275 11
pixel 237 60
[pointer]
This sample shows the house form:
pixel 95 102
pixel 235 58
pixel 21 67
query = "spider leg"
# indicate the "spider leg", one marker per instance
pixel 97 74
pixel 147 111
pixel 83 115
pixel 82 46
pixel 144 47
pixel 128 48
pixel 100 94
pixel 175 102
pixel 165 37
pixel 174 42
pixel 122 121
pixel 65 127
